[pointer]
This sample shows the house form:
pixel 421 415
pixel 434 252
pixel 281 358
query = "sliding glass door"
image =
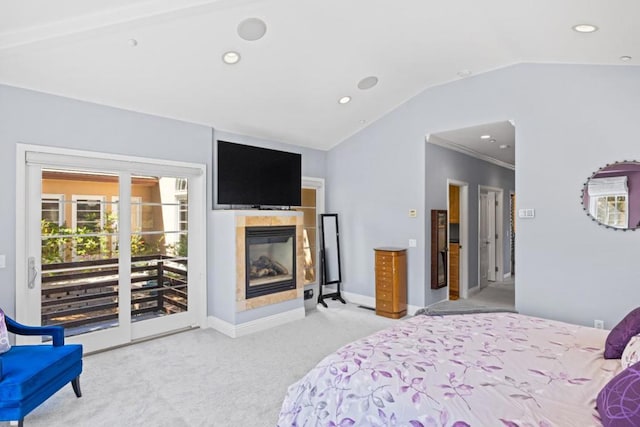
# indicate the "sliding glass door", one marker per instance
pixel 107 249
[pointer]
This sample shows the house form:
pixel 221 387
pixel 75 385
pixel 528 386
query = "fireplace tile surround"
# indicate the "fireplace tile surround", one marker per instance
pixel 230 312
pixel 242 302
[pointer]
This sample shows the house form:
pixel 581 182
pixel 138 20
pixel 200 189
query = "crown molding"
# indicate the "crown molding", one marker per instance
pixel 469 152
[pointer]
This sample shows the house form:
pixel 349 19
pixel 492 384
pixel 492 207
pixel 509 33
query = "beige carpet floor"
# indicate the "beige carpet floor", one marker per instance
pixel 202 377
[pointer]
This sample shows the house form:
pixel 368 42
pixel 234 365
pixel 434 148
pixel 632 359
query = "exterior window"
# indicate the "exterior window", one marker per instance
pixel 184 215
pixel 52 208
pixel 181 185
pixel 88 213
pixel 610 210
pixel 608 200
pixel 88 218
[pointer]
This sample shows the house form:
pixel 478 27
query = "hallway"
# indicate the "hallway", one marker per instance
pixel 497 294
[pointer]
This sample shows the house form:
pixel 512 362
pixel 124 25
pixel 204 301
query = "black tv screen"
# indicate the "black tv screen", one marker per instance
pixel 258 176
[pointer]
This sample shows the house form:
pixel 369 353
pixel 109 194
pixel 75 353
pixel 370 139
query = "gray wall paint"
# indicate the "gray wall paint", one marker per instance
pixel 443 164
pixel 569 120
pixel 41 119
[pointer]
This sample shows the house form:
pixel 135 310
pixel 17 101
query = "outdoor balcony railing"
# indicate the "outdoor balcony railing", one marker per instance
pixel 80 294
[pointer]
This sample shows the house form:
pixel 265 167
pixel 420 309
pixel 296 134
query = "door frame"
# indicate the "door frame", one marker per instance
pixel 464 235
pixel 197 217
pixel 499 213
pixel 318 184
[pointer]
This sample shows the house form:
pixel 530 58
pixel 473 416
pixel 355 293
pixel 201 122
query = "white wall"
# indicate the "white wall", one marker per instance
pixel 569 120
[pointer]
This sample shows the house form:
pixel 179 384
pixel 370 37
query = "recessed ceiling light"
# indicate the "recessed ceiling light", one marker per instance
pixel 133 42
pixel 344 100
pixel 231 57
pixel 464 73
pixel 625 58
pixel 492 140
pixel 252 29
pixel 367 82
pixel 485 136
pixel 585 28
pixel 504 146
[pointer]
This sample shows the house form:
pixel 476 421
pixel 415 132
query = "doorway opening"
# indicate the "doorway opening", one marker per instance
pixel 482 157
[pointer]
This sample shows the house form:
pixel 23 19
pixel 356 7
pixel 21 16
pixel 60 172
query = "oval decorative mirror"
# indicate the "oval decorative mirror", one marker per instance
pixel 611 196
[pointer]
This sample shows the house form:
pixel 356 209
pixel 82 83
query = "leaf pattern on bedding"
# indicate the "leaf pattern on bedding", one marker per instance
pixel 440 371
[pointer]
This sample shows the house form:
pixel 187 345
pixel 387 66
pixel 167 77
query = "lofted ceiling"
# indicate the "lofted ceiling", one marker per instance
pixel 165 57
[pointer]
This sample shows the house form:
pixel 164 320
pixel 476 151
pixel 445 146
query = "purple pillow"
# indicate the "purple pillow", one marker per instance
pixel 619 401
pixel 621 334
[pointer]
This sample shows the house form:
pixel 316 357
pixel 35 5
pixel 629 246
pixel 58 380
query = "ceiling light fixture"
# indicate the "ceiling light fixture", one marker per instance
pixel 367 82
pixel 504 146
pixel 133 42
pixel 231 57
pixel 252 29
pixel 485 137
pixel 585 28
pixel 344 100
pixel 492 140
pixel 625 58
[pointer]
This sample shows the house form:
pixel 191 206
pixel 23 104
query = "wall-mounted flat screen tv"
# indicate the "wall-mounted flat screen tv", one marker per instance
pixel 258 176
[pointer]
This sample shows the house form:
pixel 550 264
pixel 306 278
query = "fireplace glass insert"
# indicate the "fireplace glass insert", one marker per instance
pixel 270 260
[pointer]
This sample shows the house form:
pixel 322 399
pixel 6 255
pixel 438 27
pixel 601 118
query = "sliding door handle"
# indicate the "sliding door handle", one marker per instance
pixel 33 272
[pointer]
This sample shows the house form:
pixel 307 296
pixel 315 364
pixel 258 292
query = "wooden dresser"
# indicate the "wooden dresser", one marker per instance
pixel 391 282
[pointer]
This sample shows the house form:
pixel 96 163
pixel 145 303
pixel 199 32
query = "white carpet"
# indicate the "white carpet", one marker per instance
pixel 202 377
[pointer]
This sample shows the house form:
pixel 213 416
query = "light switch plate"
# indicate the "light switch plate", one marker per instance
pixel 413 243
pixel 413 213
pixel 526 213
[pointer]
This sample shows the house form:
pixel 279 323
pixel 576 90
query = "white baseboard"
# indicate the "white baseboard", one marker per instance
pixel 235 331
pixel 368 301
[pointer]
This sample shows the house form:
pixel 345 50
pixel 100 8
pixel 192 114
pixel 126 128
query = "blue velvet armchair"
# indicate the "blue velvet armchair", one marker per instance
pixel 30 374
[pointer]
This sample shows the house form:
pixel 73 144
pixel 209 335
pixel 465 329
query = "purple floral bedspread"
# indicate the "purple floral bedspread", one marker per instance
pixel 492 369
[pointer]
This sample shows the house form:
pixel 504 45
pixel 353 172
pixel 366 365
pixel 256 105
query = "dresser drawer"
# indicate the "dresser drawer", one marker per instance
pixel 384 295
pixel 384 274
pixel 383 305
pixel 384 285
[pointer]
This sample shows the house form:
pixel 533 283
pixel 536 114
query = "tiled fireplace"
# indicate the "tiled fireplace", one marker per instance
pixel 269 260
pixel 256 273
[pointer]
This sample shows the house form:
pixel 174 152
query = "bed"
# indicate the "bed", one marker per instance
pixel 488 369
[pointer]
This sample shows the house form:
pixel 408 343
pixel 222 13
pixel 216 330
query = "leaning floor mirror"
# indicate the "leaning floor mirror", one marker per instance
pixel 330 259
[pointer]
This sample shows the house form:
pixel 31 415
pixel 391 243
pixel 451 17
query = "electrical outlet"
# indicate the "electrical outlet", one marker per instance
pixel 413 213
pixel 598 324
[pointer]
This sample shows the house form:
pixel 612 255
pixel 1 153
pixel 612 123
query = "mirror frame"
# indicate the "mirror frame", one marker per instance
pixel 439 220
pixel 334 240
pixel 584 190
